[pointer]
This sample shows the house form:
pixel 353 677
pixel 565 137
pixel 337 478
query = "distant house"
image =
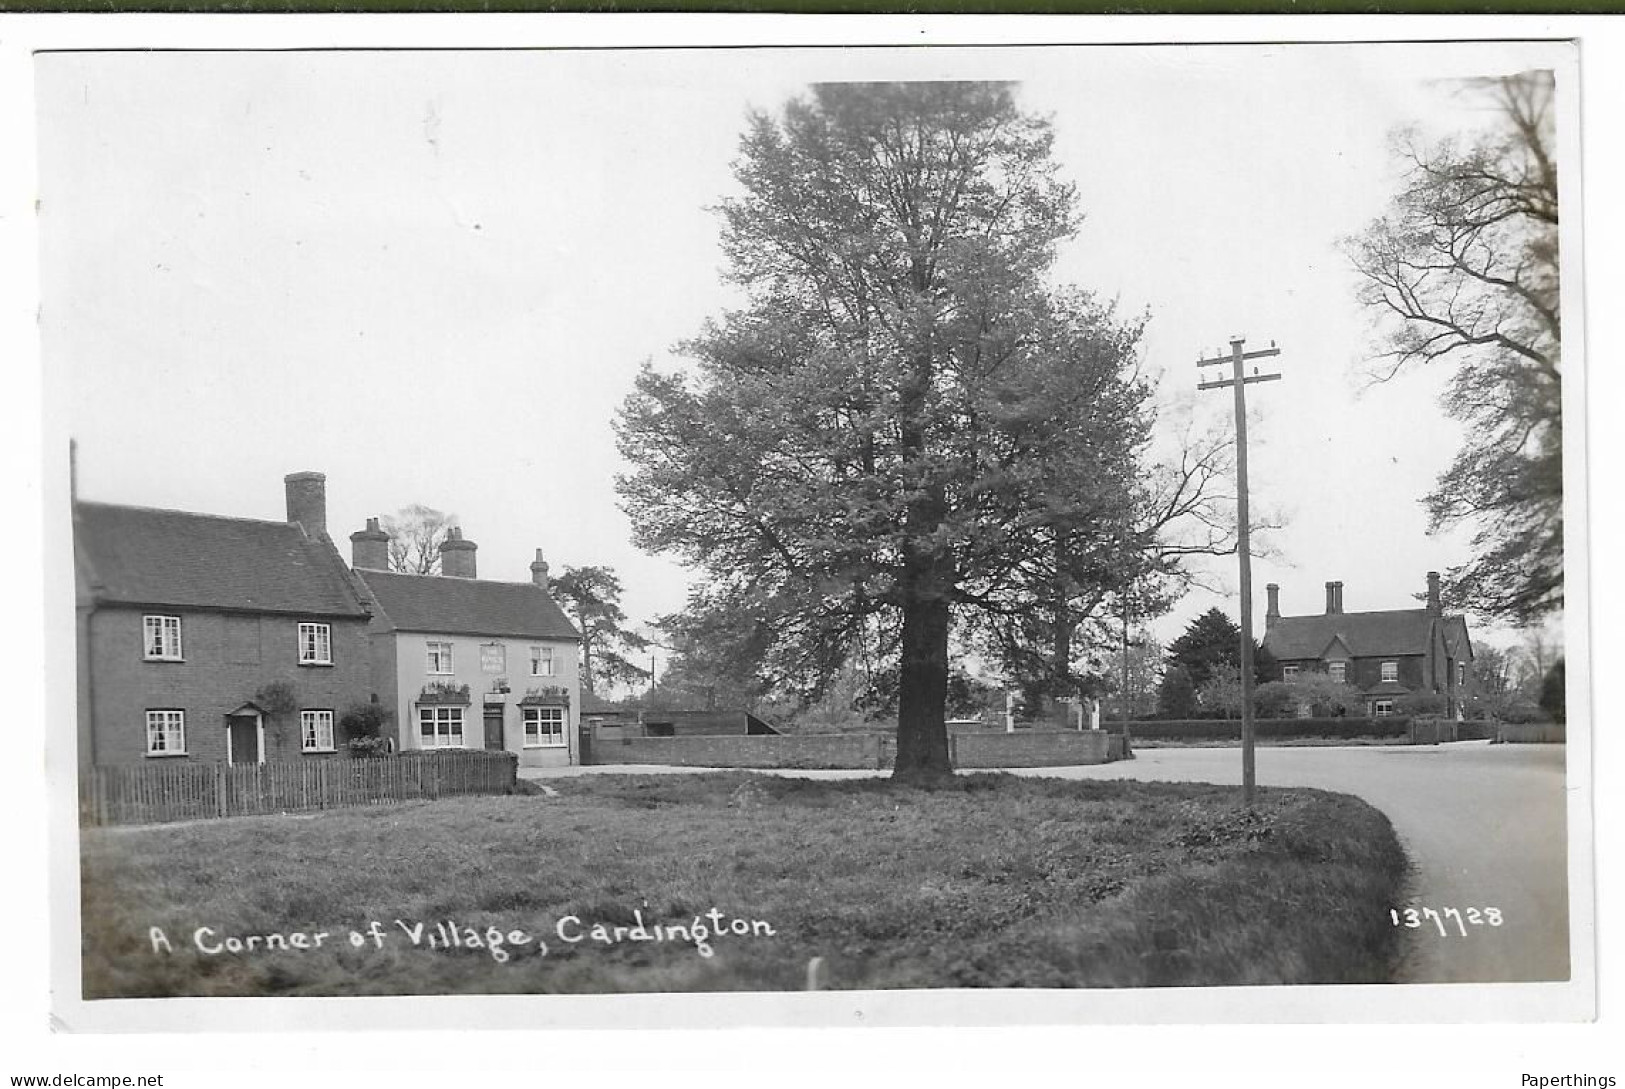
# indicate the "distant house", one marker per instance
pixel 468 663
pixel 1385 654
pixel 207 638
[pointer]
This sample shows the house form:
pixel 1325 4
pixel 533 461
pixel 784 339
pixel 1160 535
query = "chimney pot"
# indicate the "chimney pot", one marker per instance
pixel 457 555
pixel 369 548
pixel 307 501
pixel 538 570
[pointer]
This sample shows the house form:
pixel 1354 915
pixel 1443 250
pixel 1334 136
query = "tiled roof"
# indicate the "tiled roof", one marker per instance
pixel 438 603
pixel 1367 635
pixel 1455 636
pixel 142 556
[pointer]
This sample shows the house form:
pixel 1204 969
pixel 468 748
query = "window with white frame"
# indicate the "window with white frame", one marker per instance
pixel 1339 671
pixel 316 728
pixel 542 663
pixel 441 727
pixel 1382 708
pixel 544 727
pixel 1390 672
pixel 166 733
pixel 315 644
pixel 440 658
pixel 1288 672
pixel 161 638
pixel 1461 674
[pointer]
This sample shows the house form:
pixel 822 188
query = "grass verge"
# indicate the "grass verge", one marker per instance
pixel 994 881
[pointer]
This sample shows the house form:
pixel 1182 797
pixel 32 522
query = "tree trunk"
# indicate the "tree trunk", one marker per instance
pixel 586 658
pixel 922 730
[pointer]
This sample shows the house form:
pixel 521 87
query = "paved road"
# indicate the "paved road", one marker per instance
pixel 1484 827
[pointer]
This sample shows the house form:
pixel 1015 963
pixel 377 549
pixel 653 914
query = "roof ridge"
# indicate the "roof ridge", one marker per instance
pixel 190 514
pixel 192 559
pixel 365 571
pixel 1362 612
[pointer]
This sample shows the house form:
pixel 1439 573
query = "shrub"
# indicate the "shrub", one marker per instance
pixel 276 698
pixel 1521 713
pixel 1275 700
pixel 370 746
pixel 1327 697
pixel 363 727
pixel 1421 703
pixel 1552 694
pixel 1343 727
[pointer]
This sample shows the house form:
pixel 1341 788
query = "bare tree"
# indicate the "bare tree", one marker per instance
pixel 1463 270
pixel 415 533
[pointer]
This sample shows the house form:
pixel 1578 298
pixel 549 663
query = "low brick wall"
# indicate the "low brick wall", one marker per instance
pixel 866 751
pixel 1031 750
pixel 1432 731
pixel 1531 733
pixel 743 751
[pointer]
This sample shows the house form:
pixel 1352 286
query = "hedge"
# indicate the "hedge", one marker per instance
pixel 1208 729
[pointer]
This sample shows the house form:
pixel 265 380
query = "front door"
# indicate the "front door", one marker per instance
pixel 243 739
pixel 493 728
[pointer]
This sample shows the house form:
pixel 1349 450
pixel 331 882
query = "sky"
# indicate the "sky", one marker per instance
pixel 433 276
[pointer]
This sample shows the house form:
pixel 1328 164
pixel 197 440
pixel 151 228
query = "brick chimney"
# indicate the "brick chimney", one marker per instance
pixel 457 555
pixel 1435 606
pixel 538 570
pixel 1274 612
pixel 369 548
pixel 307 501
pixel 1334 598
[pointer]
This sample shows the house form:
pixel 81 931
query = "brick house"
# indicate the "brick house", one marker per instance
pixel 207 638
pixel 1386 654
pixel 464 662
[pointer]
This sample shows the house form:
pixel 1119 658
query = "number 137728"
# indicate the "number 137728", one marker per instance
pixel 1443 918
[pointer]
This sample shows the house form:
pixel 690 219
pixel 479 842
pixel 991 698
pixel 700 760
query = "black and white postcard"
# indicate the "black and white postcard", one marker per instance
pixel 604 531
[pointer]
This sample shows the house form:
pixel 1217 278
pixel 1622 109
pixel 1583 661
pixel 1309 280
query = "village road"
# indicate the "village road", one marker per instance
pixel 1484 826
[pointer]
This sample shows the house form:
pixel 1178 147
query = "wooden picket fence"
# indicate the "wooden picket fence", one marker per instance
pixel 153 793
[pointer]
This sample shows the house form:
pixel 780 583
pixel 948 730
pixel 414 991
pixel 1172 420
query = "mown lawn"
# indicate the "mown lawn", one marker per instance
pixel 996 881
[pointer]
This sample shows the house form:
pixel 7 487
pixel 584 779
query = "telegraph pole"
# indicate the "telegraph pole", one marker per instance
pixel 1239 380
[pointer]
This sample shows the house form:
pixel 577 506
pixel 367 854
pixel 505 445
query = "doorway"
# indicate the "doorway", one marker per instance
pixel 493 728
pixel 243 740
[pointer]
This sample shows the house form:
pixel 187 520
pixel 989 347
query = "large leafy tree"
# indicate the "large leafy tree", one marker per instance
pixel 901 424
pixel 1463 270
pixel 592 596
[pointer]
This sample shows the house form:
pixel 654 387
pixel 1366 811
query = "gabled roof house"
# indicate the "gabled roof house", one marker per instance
pixel 1386 654
pixel 208 638
pixel 470 663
